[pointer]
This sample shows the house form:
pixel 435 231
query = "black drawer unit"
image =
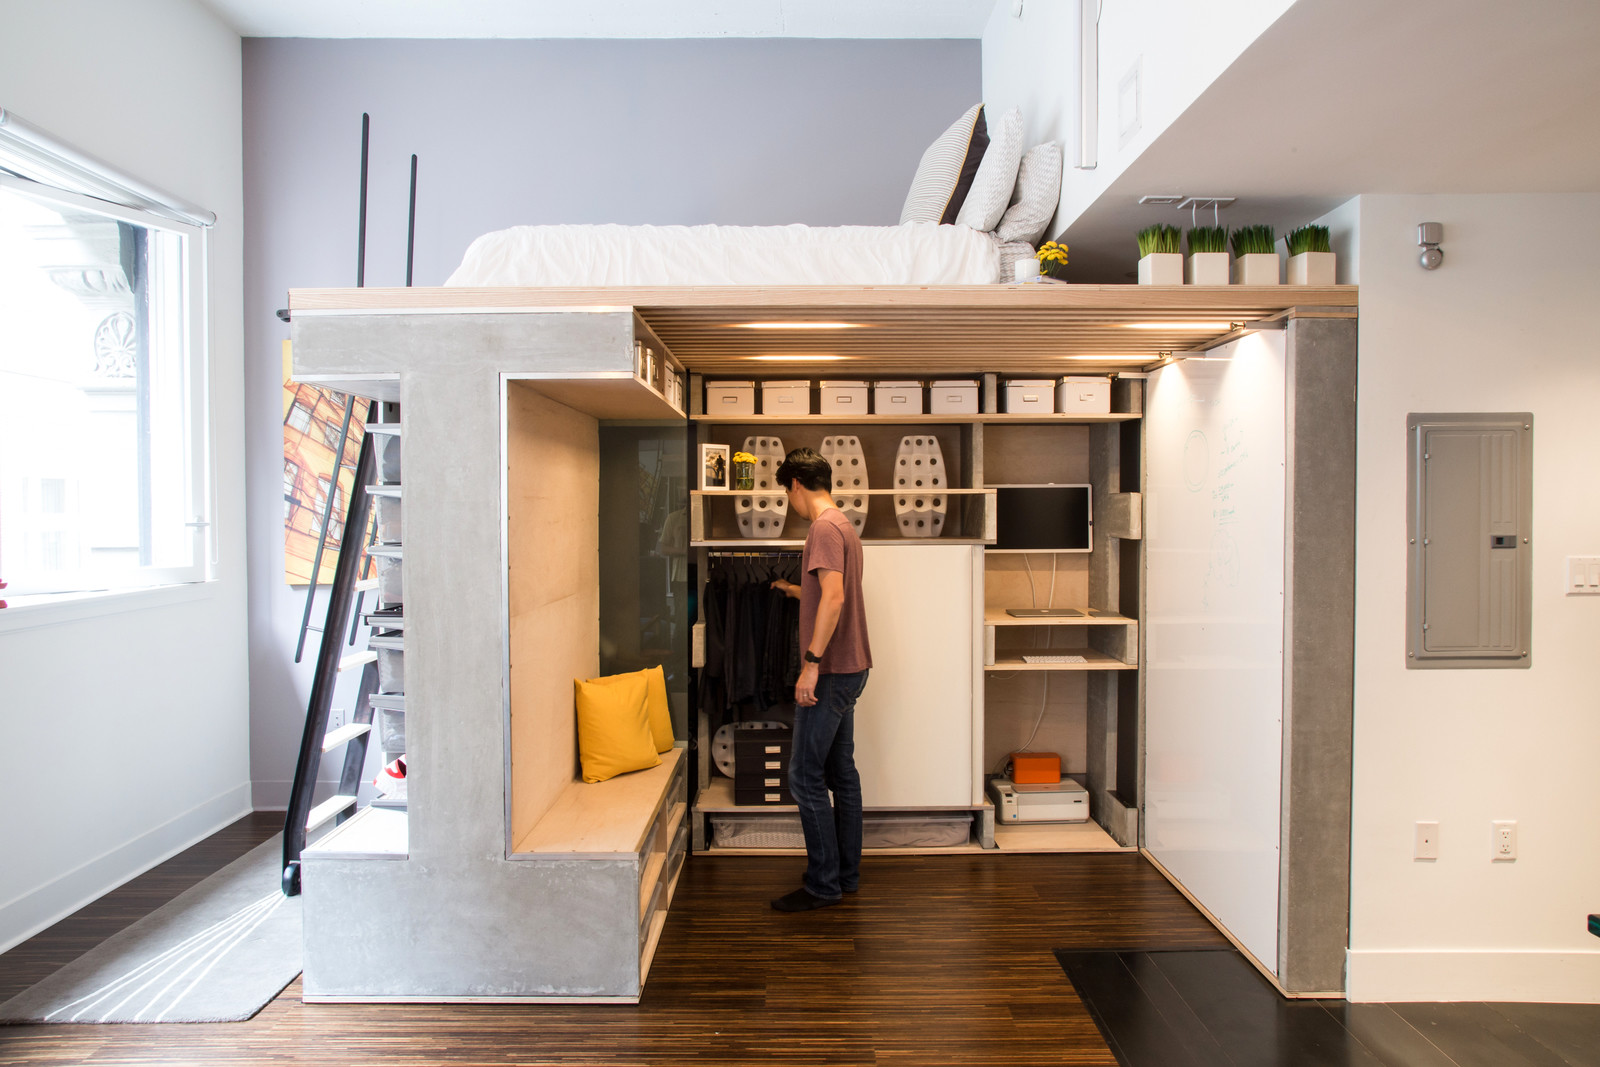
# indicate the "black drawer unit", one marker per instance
pixel 761 791
pixel 755 747
pixel 761 765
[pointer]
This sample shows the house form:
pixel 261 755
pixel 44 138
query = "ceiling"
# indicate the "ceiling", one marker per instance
pixel 1343 97
pixel 936 19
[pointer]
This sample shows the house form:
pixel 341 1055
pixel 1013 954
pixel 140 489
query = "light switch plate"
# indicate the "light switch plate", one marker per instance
pixel 1583 576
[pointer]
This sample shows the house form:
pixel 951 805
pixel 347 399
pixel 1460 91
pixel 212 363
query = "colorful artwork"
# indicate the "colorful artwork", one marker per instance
pixel 312 417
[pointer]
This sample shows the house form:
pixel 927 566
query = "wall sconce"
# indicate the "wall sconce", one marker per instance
pixel 1429 236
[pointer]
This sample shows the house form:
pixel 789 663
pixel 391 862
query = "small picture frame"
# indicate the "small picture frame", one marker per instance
pixel 714 466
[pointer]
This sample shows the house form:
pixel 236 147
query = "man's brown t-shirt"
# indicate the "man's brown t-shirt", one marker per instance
pixel 832 545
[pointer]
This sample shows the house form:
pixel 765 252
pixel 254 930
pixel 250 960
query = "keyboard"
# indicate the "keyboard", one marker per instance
pixel 1038 658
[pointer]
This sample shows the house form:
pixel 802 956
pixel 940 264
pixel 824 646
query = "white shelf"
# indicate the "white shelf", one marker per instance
pixel 1054 837
pixel 905 420
pixel 1094 660
pixel 998 617
pixel 372 833
pixel 920 491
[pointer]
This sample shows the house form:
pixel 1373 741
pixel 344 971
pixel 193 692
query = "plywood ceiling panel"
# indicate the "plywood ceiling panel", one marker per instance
pixel 912 331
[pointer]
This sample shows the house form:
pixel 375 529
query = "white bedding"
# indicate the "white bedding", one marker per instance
pixel 917 253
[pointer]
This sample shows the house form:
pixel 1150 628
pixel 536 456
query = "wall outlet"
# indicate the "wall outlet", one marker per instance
pixel 1427 844
pixel 1505 839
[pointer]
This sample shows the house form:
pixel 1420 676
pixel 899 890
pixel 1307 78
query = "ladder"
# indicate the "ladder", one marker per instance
pixel 316 739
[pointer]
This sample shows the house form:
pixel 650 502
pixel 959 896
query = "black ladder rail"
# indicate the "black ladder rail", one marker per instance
pixel 341 596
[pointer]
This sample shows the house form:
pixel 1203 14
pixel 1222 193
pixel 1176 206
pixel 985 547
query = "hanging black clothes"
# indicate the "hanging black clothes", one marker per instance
pixel 752 637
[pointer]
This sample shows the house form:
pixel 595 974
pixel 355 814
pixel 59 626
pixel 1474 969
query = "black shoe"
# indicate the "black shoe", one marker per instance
pixel 801 900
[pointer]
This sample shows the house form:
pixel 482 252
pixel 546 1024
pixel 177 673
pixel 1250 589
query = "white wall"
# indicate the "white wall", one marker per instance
pixel 124 736
pixel 1179 47
pixel 1505 325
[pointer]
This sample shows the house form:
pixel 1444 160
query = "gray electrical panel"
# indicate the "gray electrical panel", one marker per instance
pixel 1469 524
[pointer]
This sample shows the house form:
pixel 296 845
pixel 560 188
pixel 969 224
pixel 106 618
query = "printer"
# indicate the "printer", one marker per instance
pixel 1063 801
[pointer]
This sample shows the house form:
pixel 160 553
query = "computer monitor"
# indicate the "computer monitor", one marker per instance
pixel 1043 518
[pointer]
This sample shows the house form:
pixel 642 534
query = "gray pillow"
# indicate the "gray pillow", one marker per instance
pixel 947 170
pixel 1033 204
pixel 997 175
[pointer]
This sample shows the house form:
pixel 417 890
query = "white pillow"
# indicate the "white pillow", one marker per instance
pixel 946 170
pixel 1034 203
pixel 997 175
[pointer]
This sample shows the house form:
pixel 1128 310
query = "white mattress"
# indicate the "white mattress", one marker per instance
pixel 918 253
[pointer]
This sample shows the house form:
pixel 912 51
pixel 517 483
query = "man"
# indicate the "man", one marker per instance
pixel 833 672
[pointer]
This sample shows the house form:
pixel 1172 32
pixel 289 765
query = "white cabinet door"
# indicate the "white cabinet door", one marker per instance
pixel 914 722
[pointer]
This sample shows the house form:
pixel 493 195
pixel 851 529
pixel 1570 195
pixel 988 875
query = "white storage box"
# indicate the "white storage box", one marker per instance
pixel 1031 395
pixel 844 398
pixel 730 398
pixel 956 397
pixel 787 398
pixel 898 398
pixel 1084 396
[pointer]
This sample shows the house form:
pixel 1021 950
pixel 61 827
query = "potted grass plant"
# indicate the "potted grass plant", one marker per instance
pixel 1255 256
pixel 1208 256
pixel 1311 258
pixel 1160 256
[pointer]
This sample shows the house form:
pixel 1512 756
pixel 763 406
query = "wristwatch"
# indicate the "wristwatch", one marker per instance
pixel 812 657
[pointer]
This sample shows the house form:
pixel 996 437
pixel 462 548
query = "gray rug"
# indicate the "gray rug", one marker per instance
pixel 218 953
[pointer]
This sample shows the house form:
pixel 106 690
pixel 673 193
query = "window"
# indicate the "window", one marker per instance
pixel 103 479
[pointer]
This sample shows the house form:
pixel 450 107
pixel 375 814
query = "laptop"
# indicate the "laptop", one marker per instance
pixel 1043 613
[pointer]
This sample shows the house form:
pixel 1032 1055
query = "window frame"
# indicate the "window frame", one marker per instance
pixel 194 401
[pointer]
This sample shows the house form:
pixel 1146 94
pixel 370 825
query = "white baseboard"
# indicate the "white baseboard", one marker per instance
pixel 1551 977
pixel 40 908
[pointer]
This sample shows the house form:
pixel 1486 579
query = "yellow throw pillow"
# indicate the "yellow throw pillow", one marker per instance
pixel 659 710
pixel 614 727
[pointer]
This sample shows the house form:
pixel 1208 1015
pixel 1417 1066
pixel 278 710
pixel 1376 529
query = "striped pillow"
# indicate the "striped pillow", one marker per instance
pixel 946 171
pixel 997 175
pixel 1034 202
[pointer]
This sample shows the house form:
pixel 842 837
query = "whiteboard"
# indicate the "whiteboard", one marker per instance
pixel 914 721
pixel 1214 541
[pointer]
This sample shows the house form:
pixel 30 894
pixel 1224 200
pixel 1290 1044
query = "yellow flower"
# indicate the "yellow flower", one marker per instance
pixel 743 457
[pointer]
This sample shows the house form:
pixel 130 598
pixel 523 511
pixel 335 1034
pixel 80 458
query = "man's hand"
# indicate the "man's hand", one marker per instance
pixel 786 588
pixel 805 689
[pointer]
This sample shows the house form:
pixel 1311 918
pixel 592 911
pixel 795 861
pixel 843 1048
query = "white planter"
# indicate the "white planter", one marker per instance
pixel 1312 268
pixel 1257 268
pixel 1161 268
pixel 1207 268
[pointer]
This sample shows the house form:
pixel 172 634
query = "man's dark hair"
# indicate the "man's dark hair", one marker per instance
pixel 806 467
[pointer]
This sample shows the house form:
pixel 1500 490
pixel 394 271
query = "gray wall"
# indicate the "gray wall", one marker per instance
pixel 737 132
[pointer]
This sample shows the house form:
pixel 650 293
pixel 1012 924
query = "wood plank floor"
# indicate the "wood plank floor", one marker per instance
pixel 938 960
pixel 1213 1009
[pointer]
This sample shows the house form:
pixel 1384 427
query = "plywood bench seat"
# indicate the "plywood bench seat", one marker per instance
pixel 605 819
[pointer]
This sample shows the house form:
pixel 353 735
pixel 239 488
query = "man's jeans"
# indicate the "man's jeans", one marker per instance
pixel 823 758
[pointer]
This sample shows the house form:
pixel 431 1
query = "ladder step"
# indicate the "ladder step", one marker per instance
pixel 358 659
pixel 391 429
pixel 327 810
pixel 366 585
pixel 348 732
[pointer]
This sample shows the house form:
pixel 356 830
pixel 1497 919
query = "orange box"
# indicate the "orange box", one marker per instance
pixel 1035 768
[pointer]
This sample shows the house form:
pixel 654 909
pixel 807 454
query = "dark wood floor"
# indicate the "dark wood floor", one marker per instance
pixel 1212 1009
pixel 938 960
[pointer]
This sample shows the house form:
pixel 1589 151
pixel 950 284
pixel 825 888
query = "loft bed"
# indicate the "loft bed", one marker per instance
pixel 498 382
pixel 561 888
